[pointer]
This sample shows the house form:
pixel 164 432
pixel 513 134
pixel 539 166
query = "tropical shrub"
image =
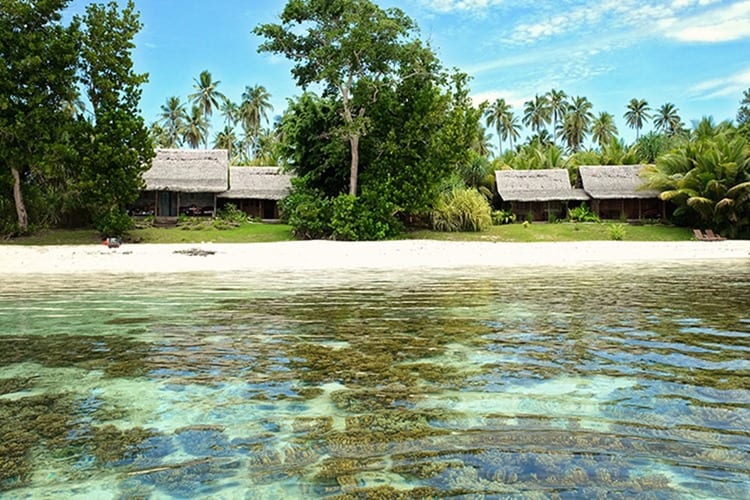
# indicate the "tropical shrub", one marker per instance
pixel 230 213
pixel 113 223
pixel 461 210
pixel 582 213
pixel 708 180
pixel 617 232
pixel 309 213
pixel 362 218
pixel 500 217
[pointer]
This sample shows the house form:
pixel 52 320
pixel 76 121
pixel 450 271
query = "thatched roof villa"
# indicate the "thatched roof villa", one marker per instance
pixel 540 194
pixel 617 191
pixel 257 190
pixel 197 182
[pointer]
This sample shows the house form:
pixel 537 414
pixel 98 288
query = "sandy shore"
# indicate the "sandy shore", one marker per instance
pixel 322 255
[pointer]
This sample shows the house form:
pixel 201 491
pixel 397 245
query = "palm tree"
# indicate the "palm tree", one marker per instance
pixel 254 110
pixel 196 128
pixel 603 130
pixel 511 128
pixel 497 115
pixel 577 122
pixel 173 118
pixel 536 113
pixel 667 120
pixel 206 97
pixel 226 139
pixel 636 114
pixel 230 111
pixel 557 104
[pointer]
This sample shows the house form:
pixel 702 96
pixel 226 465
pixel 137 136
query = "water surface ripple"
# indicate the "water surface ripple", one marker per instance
pixel 621 381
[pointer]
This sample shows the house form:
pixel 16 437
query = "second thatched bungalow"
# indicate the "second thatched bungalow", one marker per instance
pixel 183 182
pixel 617 192
pixel 257 190
pixel 538 194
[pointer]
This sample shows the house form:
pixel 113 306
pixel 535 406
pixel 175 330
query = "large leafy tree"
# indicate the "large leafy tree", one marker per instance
pixel 116 148
pixel 637 114
pixel 345 45
pixel 37 80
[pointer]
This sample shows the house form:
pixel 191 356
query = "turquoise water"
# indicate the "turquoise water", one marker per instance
pixel 617 381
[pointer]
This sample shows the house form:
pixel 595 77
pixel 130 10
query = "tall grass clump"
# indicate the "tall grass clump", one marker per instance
pixel 461 209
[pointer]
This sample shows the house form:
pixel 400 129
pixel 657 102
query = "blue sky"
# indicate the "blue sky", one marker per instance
pixel 693 53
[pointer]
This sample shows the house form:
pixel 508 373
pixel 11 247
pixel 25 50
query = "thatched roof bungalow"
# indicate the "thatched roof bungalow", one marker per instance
pixel 617 191
pixel 257 190
pixel 539 194
pixel 182 181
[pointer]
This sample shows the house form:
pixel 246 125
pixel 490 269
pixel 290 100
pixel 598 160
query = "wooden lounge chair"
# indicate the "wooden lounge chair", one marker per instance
pixel 713 236
pixel 700 236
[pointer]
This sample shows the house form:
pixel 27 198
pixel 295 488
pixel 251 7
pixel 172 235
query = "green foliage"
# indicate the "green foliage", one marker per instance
pixel 616 232
pixel 113 223
pixel 462 210
pixel 309 213
pixel 500 217
pixel 362 218
pixel 582 213
pixel 230 213
pixel 708 179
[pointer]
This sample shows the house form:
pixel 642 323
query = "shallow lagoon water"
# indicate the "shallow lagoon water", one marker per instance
pixel 621 381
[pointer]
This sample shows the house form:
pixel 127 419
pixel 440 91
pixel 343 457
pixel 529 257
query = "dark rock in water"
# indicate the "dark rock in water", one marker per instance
pixel 195 252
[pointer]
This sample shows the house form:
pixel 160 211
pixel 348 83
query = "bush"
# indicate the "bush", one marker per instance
pixel 363 218
pixel 462 210
pixel 500 217
pixel 309 213
pixel 582 213
pixel 616 232
pixel 230 213
pixel 113 223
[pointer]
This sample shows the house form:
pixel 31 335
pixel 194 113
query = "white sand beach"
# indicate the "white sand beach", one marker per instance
pixel 324 255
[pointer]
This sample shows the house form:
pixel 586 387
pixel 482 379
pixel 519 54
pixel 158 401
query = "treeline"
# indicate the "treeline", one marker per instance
pixel 73 144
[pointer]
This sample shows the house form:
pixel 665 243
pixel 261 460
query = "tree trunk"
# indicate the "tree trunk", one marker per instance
pixel 23 217
pixel 354 172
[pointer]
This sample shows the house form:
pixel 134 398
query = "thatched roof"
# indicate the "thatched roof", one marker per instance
pixel 257 183
pixel 607 182
pixel 188 171
pixel 536 185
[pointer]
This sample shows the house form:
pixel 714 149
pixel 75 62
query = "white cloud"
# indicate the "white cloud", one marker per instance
pixel 446 6
pixel 722 87
pixel 717 25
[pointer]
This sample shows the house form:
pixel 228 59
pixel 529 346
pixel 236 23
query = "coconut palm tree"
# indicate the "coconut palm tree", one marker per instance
pixel 636 114
pixel 226 139
pixel 253 111
pixel 206 97
pixel 511 128
pixel 173 118
pixel 536 113
pixel 576 123
pixel 667 120
pixel 603 130
pixel 496 115
pixel 709 181
pixel 196 128
pixel 557 105
pixel 230 110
